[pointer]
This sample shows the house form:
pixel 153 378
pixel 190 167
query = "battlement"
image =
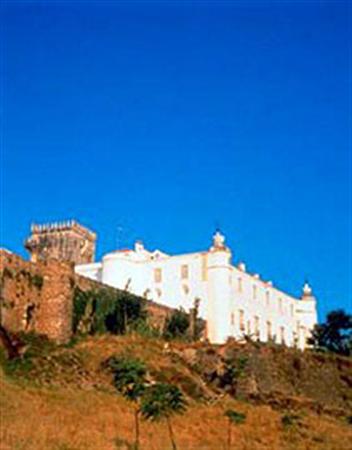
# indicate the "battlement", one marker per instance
pixel 65 241
pixel 62 226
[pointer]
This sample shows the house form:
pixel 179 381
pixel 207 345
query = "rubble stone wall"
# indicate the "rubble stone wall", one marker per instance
pixel 36 296
pixel 39 296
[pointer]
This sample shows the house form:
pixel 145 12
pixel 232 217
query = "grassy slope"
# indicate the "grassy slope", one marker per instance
pixel 78 409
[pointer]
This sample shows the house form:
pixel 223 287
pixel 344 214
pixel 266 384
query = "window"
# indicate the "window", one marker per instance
pixel 269 330
pixel 157 275
pixel 242 326
pixel 280 305
pixel 185 289
pixel 282 335
pixel 254 291
pixel 292 310
pixel 298 325
pixel 239 284
pixel 204 267
pixel 184 272
pixel 159 293
pixel 256 326
pixel 267 298
pixel 232 318
pixel 249 327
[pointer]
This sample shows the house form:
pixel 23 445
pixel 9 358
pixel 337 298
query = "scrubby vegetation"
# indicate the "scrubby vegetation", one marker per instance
pixel 105 310
pixel 92 388
pixel 162 401
pixel 177 324
pixel 234 418
pixel 94 392
pixel 335 334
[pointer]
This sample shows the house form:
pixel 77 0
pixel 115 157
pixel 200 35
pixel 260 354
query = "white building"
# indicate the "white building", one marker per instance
pixel 232 301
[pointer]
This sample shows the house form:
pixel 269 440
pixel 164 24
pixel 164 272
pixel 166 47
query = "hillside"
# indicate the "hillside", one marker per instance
pixel 63 398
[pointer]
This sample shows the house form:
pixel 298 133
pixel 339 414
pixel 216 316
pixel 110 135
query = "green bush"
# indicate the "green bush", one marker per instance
pixel 177 325
pixel 106 311
pixel 36 346
pixel 37 281
pixel 335 335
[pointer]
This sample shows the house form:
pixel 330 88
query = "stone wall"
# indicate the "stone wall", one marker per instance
pixel 39 296
pixel 36 297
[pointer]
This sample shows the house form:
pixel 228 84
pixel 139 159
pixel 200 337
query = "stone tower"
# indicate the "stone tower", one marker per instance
pixel 66 241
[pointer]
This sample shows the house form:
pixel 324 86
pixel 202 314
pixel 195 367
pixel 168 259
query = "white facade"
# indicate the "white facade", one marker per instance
pixel 232 301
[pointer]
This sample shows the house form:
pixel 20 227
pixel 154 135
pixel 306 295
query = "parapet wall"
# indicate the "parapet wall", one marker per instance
pixel 39 296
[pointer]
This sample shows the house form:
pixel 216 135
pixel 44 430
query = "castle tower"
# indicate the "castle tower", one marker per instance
pixel 219 300
pixel 66 241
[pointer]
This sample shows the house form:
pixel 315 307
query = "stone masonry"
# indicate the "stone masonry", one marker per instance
pixel 38 296
pixel 66 241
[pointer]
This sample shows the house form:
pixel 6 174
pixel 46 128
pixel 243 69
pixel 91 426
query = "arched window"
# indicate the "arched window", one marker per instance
pixel 254 291
pixel 242 325
pixel 157 275
pixel 269 330
pixel 184 272
pixel 256 326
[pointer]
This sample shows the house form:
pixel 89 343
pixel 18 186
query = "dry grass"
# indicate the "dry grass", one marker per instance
pixel 69 418
pixel 63 419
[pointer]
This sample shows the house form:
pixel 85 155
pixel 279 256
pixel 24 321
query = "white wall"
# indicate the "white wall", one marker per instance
pixel 213 280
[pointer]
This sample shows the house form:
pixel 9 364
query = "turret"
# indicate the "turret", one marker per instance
pixel 306 314
pixel 219 302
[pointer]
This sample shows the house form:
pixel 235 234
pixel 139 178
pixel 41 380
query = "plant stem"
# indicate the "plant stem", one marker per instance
pixel 229 436
pixel 136 445
pixel 171 433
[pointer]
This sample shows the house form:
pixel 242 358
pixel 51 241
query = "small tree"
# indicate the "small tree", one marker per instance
pixel 335 334
pixel 161 401
pixel 129 380
pixel 234 418
pixel 177 324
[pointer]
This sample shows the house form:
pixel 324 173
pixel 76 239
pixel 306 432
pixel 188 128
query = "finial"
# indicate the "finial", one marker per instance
pixel 307 290
pixel 242 266
pixel 218 239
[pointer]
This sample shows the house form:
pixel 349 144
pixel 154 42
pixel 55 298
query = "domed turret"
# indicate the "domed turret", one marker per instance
pixel 307 291
pixel 218 242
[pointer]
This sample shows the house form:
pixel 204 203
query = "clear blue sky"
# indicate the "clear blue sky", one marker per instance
pixel 168 118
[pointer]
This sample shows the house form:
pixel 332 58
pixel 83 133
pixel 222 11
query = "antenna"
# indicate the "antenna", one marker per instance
pixel 217 225
pixel 119 232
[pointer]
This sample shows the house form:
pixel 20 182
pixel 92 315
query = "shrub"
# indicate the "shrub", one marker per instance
pixel 290 419
pixel 161 401
pixel 176 325
pixel 37 281
pixel 234 418
pixel 129 380
pixel 105 310
pixel 335 335
pixel 36 346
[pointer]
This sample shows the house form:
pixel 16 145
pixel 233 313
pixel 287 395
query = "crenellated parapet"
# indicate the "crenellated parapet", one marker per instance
pixel 65 241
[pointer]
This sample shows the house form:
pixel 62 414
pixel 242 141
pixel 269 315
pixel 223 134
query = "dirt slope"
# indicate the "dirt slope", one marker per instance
pixel 64 399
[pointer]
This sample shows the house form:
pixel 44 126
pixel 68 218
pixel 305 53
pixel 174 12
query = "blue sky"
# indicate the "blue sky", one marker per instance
pixel 165 119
